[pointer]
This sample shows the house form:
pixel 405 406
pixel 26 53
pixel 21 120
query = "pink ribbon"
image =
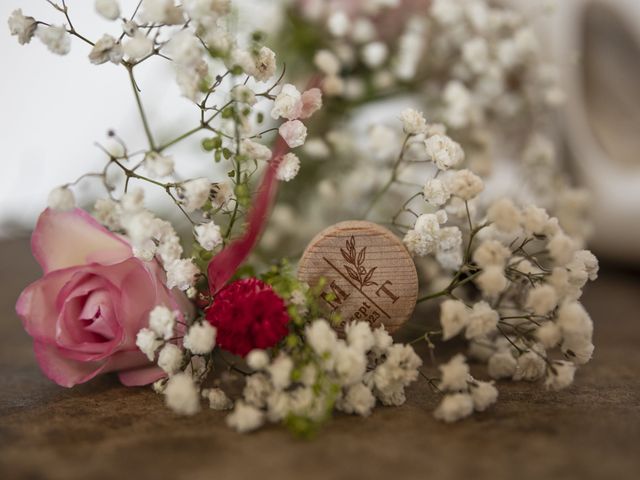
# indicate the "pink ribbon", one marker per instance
pixel 224 264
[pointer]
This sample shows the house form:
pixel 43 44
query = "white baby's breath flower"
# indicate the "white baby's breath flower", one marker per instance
pixel 561 248
pixel 360 336
pixel 504 215
pixel 21 26
pixel 531 366
pixel 413 122
pixel 109 9
pixel 475 53
pixel 338 23
pixel 398 371
pixel 159 165
pixel 170 358
pixel 161 321
pixel 181 395
pixel 577 331
pixel 265 64
pixel 491 252
pixel 133 201
pixel 186 52
pixel 288 103
pixel 459 109
pixel 243 94
pixel 350 364
pixel 436 192
pixel 492 281
pixel 293 132
pixel 374 54
pixel 327 62
pixel 245 418
pixel 208 235
pixel 257 389
pixel 588 262
pixel 560 376
pixel 138 47
pixel 333 85
pixel 147 342
pixel 221 194
pixel 454 317
pixel 321 337
pixel 382 341
pixel 107 213
pixel 502 365
pixel 169 250
pixel 181 274
pixel 548 334
pixel 454 407
pixel 106 49
pixel 534 220
pixel 280 371
pixel 317 148
pixel 195 193
pixel 161 11
pixel 61 199
pixel 201 338
pixel 357 399
pixel 417 244
pixel 465 184
pixel 443 152
pixel 455 374
pixel 129 28
pixel 483 320
pixel 218 400
pixel 542 299
pixel 446 12
pixel 206 11
pixel 55 38
pixel 261 65
pixel 483 394
pixel 257 359
pixel 288 168
pixel 255 150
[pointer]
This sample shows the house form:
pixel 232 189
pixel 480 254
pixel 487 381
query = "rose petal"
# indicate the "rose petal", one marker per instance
pixel 66 239
pixel 141 376
pixel 36 305
pixel 64 371
pixel 68 372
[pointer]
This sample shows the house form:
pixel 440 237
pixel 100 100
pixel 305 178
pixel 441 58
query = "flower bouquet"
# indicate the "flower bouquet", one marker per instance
pixel 122 291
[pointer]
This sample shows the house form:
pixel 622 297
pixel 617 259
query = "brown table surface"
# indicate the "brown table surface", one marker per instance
pixel 103 430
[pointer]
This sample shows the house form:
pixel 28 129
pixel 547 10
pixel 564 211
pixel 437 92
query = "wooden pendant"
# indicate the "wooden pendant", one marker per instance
pixel 369 274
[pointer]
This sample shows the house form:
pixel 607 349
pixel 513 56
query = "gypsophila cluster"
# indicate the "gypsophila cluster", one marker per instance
pixel 227 84
pixel 302 387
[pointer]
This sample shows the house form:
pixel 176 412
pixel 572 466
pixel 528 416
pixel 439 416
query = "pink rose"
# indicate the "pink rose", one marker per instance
pixel 94 297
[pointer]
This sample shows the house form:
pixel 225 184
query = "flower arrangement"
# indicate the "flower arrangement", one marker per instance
pixel 119 294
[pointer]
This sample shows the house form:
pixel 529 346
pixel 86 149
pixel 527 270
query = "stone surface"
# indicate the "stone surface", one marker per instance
pixel 102 430
pixel 370 274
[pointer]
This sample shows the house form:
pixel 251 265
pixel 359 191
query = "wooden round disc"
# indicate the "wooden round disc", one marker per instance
pixel 370 276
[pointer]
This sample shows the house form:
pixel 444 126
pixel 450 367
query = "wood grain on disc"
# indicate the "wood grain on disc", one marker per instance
pixel 370 276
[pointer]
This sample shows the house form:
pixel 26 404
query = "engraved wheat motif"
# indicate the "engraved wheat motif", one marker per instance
pixel 355 263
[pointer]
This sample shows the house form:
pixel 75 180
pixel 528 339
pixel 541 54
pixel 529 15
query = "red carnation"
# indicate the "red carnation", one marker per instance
pixel 248 314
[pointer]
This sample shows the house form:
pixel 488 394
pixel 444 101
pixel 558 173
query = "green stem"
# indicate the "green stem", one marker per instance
pixel 392 179
pixel 143 116
pixel 452 286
